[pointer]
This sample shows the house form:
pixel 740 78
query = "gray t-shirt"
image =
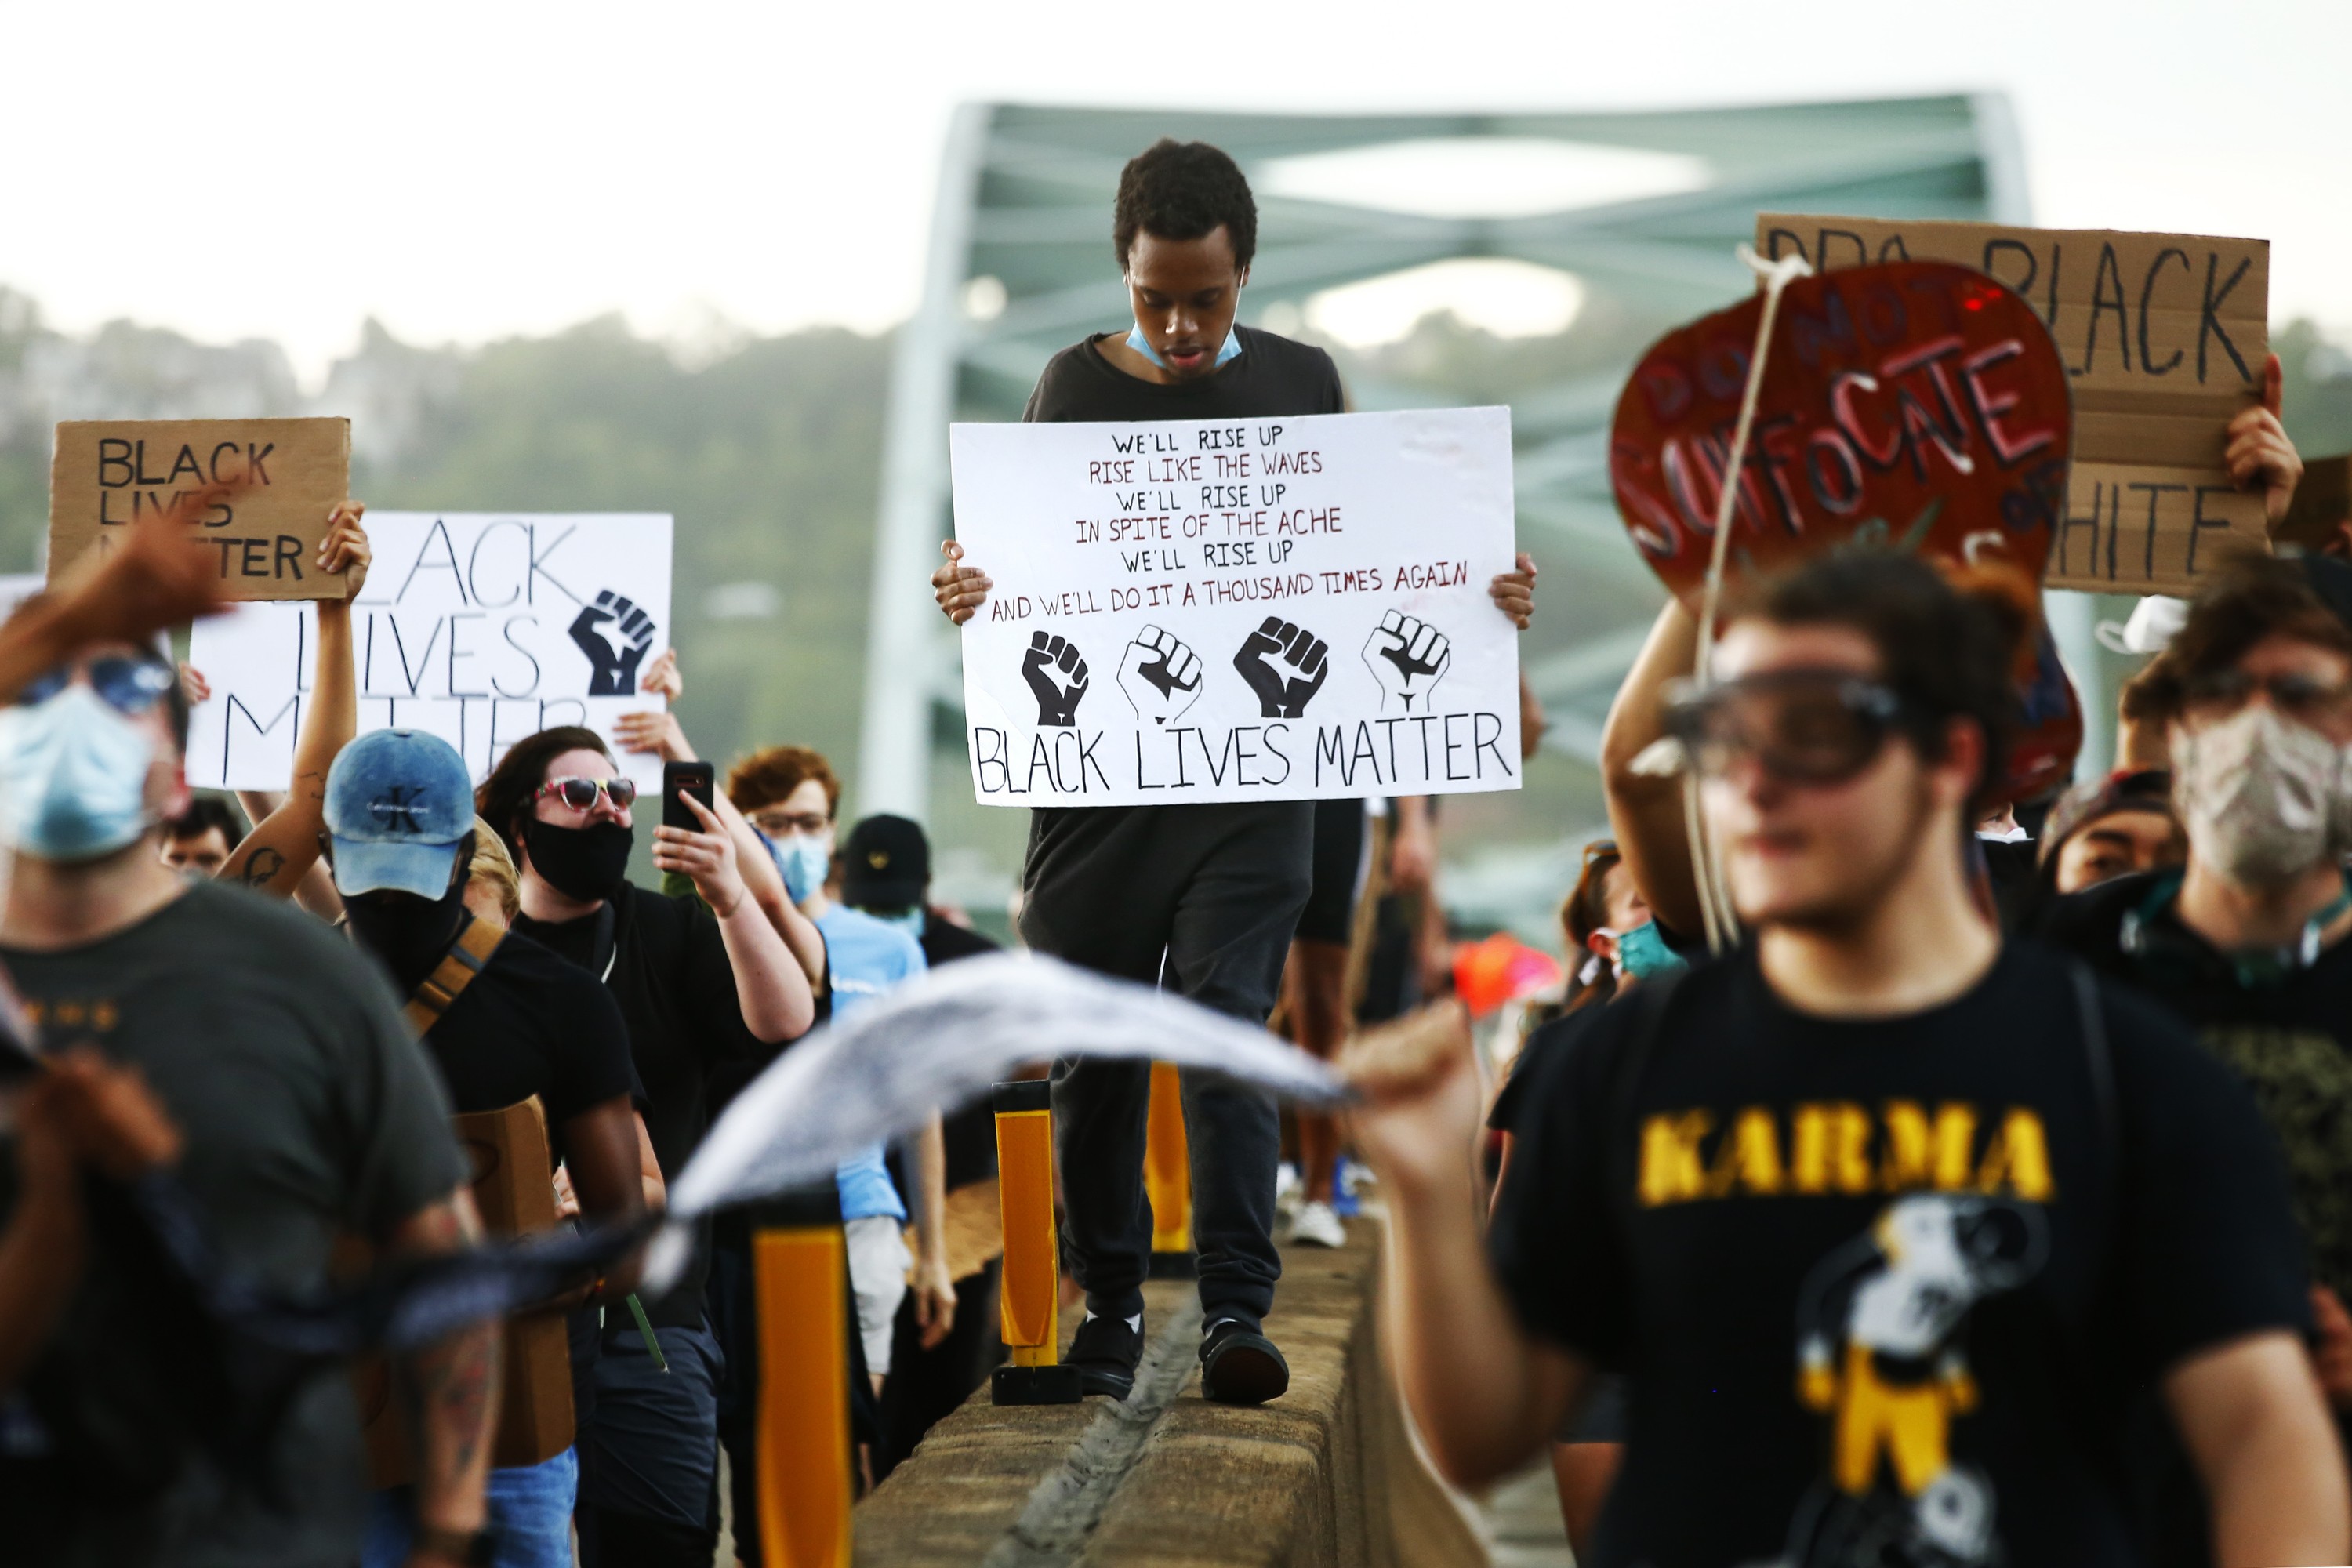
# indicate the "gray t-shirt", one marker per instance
pixel 308 1110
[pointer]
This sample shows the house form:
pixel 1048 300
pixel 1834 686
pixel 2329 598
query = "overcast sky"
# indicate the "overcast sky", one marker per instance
pixel 468 171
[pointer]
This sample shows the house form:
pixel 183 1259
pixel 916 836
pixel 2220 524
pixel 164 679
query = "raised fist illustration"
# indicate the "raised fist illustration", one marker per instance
pixel 1057 675
pixel 1160 676
pixel 614 634
pixel 1407 658
pixel 1285 665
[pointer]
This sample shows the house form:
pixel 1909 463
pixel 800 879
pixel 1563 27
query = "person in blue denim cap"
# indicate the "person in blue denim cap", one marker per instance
pixel 521 1023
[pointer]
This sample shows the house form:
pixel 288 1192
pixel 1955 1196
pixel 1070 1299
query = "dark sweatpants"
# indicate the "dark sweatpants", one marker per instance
pixel 1201 900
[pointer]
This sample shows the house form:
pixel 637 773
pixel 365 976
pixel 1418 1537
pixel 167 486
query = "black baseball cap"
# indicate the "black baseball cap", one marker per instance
pixel 885 864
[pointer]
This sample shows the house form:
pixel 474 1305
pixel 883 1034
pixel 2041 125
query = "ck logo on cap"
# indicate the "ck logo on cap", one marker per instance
pixel 877 859
pixel 398 810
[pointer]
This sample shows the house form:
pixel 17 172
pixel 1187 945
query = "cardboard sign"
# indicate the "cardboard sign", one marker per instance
pixel 1263 609
pixel 108 473
pixel 2164 337
pixel 1915 406
pixel 482 628
pixel 515 1190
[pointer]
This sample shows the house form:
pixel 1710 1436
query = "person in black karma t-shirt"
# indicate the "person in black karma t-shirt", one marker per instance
pixel 1884 1224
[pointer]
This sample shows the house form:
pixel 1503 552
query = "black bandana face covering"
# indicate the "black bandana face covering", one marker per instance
pixel 408 934
pixel 583 863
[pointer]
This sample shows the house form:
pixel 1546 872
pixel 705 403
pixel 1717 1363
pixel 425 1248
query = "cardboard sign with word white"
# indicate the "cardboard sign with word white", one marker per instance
pixel 482 628
pixel 2164 336
pixel 1224 610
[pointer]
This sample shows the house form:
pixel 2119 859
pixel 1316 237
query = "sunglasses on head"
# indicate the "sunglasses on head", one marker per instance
pixel 579 794
pixel 1803 726
pixel 125 682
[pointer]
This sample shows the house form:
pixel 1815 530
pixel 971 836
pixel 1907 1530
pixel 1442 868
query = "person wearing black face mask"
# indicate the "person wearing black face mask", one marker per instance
pixel 504 1019
pixel 698 986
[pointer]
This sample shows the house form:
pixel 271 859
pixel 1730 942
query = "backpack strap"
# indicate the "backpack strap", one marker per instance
pixel 476 939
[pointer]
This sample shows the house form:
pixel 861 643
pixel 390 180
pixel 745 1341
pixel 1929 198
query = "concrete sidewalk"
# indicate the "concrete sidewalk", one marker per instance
pixel 1323 1477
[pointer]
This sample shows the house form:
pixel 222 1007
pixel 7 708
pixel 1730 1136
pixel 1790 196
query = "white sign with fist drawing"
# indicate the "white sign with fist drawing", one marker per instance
pixel 1261 609
pixel 483 627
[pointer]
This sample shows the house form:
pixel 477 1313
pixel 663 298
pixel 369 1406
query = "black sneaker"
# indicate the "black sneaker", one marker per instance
pixel 1106 1351
pixel 1240 1367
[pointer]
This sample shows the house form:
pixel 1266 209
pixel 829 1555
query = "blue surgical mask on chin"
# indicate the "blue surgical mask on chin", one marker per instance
pixel 804 862
pixel 1642 952
pixel 1142 345
pixel 907 920
pixel 73 777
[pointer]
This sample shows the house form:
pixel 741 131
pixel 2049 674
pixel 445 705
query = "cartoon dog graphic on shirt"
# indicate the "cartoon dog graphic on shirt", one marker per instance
pixel 1878 1351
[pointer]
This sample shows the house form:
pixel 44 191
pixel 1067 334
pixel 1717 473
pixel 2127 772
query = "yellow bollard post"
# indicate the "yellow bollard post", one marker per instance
pixel 1168 1177
pixel 1029 1294
pixel 800 1275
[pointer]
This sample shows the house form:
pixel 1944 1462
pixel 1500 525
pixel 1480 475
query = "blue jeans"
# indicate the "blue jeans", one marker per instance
pixel 531 1514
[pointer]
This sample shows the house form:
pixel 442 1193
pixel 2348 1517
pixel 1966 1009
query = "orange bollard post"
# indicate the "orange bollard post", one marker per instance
pixel 799 1274
pixel 1168 1177
pixel 1028 1295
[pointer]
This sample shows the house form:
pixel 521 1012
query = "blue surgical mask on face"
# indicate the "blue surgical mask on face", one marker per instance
pixel 804 862
pixel 73 777
pixel 1142 345
pixel 1642 952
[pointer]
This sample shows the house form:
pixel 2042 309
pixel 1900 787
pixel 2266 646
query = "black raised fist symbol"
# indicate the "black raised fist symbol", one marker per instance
pixel 1057 675
pixel 1407 657
pixel 1283 693
pixel 612 666
pixel 1160 676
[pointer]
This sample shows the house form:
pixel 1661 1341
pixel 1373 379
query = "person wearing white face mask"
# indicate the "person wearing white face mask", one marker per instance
pixel 2248 940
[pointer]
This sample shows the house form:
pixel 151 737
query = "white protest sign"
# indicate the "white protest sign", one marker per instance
pixel 482 628
pixel 1261 609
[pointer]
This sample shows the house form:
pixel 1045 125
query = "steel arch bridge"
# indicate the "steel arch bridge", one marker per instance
pixel 1020 266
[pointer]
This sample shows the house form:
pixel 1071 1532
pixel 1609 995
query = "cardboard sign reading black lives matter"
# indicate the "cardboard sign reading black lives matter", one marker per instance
pixel 2164 337
pixel 107 474
pixel 1265 609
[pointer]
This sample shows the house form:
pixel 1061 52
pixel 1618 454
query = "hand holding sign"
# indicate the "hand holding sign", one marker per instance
pixel 1407 657
pixel 1057 677
pixel 2260 454
pixel 614 669
pixel 1160 676
pixel 1265 650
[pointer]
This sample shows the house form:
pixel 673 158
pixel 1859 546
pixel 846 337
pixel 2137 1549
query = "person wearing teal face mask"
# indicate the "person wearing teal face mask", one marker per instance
pixel 1606 919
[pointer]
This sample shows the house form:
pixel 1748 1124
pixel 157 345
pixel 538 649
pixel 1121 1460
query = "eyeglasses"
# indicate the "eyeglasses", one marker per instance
pixel 579 794
pixel 780 823
pixel 129 685
pixel 2299 696
pixel 1803 726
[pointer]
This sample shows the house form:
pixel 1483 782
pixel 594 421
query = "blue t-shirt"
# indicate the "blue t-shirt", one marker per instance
pixel 866 957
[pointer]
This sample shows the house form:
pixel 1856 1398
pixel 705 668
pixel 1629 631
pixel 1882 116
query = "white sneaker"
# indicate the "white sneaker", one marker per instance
pixel 1316 1226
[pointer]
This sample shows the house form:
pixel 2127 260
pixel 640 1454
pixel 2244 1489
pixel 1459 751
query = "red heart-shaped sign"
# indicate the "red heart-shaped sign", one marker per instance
pixel 1914 405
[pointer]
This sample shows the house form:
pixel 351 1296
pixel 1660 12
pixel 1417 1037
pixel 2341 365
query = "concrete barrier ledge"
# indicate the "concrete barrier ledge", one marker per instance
pixel 1323 1477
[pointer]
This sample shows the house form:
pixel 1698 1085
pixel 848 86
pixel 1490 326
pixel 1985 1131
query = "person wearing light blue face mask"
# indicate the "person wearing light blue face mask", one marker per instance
pixel 244 1018
pixel 790 795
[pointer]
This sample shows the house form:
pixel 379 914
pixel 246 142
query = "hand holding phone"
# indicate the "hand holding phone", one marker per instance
pixel 697 779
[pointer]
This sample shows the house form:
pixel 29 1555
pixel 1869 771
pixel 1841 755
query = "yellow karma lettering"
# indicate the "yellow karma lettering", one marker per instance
pixel 1672 1170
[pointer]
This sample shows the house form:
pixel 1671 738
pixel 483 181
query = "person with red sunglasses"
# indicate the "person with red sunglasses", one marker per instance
pixel 1886 1223
pixel 704 978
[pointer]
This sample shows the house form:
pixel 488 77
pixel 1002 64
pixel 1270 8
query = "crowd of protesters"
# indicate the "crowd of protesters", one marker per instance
pixel 1982 1200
